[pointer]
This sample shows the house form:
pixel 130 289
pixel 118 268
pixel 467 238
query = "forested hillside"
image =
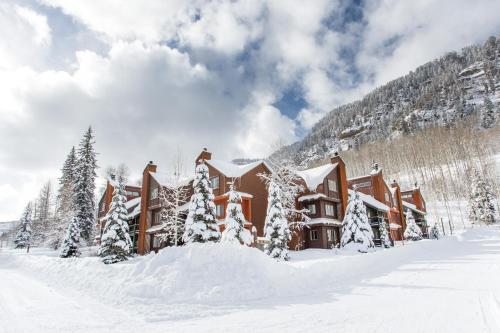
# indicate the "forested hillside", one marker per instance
pixel 442 92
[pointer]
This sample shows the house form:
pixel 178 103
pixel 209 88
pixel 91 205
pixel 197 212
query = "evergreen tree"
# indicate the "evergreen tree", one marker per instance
pixel 488 116
pixel 234 230
pixel 277 232
pixel 434 232
pixel 115 242
pixel 71 242
pixel 412 231
pixel 84 186
pixel 384 235
pixel 201 225
pixel 481 200
pixel 24 234
pixel 356 229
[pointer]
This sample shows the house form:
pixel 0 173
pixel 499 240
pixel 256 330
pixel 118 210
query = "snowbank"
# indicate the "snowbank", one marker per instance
pixel 199 273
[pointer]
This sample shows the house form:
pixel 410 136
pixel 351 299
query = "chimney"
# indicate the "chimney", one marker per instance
pixel 342 180
pixel 205 155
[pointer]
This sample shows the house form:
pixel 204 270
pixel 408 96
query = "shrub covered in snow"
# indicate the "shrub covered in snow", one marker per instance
pixel 234 230
pixel 384 235
pixel 434 232
pixel 356 230
pixel 412 231
pixel 71 242
pixel 115 242
pixel 201 225
pixel 277 232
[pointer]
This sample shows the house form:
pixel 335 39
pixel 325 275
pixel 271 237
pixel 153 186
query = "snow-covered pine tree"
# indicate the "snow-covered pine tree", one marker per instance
pixel 64 203
pixel 24 234
pixel 84 186
pixel 115 242
pixel 171 199
pixel 434 232
pixel 412 231
pixel 201 224
pixel 234 230
pixel 481 200
pixel 71 242
pixel 488 116
pixel 277 231
pixel 356 229
pixel 384 235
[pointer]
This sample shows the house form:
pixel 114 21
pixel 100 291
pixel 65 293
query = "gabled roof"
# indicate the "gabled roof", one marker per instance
pixel 371 201
pixel 235 170
pixel 315 176
pixel 169 180
pixel 359 177
pixel 413 207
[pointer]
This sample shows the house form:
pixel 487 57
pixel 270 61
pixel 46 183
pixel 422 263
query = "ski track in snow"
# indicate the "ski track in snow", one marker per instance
pixel 450 285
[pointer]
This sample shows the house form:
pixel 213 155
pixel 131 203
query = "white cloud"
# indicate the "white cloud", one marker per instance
pixel 25 36
pixel 262 128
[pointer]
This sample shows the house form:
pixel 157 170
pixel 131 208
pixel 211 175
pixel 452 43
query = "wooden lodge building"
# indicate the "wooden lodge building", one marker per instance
pixel 325 196
pixel 413 201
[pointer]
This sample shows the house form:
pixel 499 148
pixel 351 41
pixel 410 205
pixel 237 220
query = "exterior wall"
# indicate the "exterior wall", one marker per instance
pixel 143 242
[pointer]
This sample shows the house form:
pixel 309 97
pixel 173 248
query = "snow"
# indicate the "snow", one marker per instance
pixel 394 226
pixel 234 170
pixel 449 285
pixel 413 207
pixel 170 180
pixel 371 201
pixel 155 228
pixel 315 176
pixel 241 194
pixel 323 220
pixel 310 197
pixel 136 205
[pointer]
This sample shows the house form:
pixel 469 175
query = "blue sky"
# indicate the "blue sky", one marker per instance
pixel 238 77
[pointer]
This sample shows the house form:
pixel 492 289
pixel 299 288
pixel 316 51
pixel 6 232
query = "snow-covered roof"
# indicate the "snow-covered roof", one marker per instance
pixel 413 207
pixel 135 205
pixel 169 180
pixel 312 197
pixel 359 177
pixel 315 176
pixel 323 220
pixel 153 229
pixel 371 201
pixel 133 202
pixel 234 170
pixel 394 226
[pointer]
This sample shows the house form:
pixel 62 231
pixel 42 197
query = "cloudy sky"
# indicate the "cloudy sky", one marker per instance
pixel 155 76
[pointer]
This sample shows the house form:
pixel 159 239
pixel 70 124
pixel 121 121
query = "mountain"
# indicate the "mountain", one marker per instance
pixel 441 92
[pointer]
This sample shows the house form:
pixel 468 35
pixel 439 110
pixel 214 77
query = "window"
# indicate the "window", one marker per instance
pixel 387 199
pixel 312 209
pixel 154 193
pixel 214 182
pixel 156 218
pixel 313 234
pixel 156 242
pixel 365 184
pixel 219 210
pixel 332 185
pixel 329 235
pixel 329 210
pixel 132 194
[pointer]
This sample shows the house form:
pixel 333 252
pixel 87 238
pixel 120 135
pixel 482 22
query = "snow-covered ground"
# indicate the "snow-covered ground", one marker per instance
pixel 450 285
